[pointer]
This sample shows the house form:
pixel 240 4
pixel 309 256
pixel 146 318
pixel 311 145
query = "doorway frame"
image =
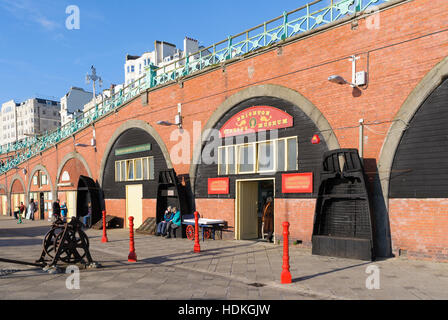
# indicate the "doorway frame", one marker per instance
pixel 237 181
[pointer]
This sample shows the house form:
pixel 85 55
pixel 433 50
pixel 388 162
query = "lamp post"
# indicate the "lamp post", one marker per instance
pixel 93 77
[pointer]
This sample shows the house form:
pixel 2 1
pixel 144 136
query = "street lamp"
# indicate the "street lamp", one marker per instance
pixel 94 78
pixel 177 119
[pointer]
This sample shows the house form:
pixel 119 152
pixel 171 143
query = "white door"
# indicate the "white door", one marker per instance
pixel 134 204
pixel 71 203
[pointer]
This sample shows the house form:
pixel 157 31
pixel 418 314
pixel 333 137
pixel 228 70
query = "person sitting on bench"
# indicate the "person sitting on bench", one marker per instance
pixel 173 224
pixel 161 227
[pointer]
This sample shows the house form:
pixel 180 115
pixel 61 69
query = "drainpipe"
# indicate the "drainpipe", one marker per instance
pixel 361 138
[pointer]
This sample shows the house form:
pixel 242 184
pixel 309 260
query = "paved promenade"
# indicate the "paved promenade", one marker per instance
pixel 169 269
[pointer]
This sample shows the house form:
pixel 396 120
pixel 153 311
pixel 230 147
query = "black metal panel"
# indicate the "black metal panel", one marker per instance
pixel 342 222
pixel 170 193
pixel 350 248
pixel 420 166
pixel 132 137
pixel 309 155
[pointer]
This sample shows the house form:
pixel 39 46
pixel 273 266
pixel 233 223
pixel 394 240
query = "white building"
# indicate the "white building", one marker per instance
pixel 106 94
pixel 164 53
pixel 32 117
pixel 73 102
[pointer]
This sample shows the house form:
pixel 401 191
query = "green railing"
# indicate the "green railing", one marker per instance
pixel 303 19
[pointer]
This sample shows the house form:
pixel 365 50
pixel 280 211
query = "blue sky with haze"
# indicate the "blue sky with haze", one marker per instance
pixel 39 56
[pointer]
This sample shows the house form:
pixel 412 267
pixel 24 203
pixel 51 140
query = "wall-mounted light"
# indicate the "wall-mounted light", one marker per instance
pixel 177 119
pixel 358 78
pixel 92 142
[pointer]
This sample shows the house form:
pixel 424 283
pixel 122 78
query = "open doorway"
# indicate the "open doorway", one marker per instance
pixel 252 196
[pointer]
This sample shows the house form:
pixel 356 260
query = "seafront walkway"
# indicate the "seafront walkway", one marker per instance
pixel 224 269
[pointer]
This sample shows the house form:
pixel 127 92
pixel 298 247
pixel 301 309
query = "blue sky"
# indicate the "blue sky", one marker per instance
pixel 39 56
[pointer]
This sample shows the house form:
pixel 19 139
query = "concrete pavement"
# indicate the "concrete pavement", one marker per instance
pixel 224 269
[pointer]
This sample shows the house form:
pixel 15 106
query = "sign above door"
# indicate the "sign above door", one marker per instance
pixel 255 119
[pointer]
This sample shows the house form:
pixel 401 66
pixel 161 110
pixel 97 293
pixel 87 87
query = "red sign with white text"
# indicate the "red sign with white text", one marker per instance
pixel 218 185
pixel 297 182
pixel 254 119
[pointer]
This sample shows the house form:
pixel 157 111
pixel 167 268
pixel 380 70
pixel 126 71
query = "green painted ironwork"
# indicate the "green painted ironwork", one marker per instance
pixel 290 24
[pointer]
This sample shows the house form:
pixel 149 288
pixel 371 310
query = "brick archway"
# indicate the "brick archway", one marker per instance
pixel 402 119
pixel 44 169
pixel 124 127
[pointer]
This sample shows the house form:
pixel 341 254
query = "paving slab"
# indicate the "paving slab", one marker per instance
pixel 224 269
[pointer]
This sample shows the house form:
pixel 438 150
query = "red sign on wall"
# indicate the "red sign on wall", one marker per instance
pixel 254 119
pixel 297 182
pixel 218 185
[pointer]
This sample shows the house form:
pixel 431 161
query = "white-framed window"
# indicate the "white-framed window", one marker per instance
pixel 134 169
pixel 259 157
pixel 43 179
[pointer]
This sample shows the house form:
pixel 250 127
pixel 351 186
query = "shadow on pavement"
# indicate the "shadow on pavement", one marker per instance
pixel 328 272
pixel 24 232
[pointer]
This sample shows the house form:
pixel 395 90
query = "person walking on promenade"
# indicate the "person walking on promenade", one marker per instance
pixel 64 211
pixel 56 210
pixel 21 210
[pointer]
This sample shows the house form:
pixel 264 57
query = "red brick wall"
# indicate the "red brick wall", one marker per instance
pixel 17 187
pixel 223 209
pixel 420 227
pixel 75 168
pixel 408 44
pixel 149 208
pixel 300 215
pixel 116 207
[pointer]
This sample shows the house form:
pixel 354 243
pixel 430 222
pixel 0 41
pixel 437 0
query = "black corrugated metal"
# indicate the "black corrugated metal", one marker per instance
pixel 420 166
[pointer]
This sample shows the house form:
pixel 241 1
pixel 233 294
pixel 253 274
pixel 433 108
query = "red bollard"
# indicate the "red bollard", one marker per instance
pixel 132 257
pixel 286 275
pixel 197 246
pixel 104 227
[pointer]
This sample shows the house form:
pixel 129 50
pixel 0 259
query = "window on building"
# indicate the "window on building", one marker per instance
pixel 43 179
pixel 134 169
pixel 246 158
pixel 132 69
pixel 257 157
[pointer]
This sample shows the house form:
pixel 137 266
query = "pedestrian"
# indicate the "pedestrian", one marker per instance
pixel 32 208
pixel 161 226
pixel 173 224
pixel 87 219
pixel 64 211
pixel 21 211
pixel 28 212
pixel 57 210
pixel 268 218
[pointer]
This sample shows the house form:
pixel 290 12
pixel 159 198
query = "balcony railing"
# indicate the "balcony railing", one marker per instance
pixel 290 24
